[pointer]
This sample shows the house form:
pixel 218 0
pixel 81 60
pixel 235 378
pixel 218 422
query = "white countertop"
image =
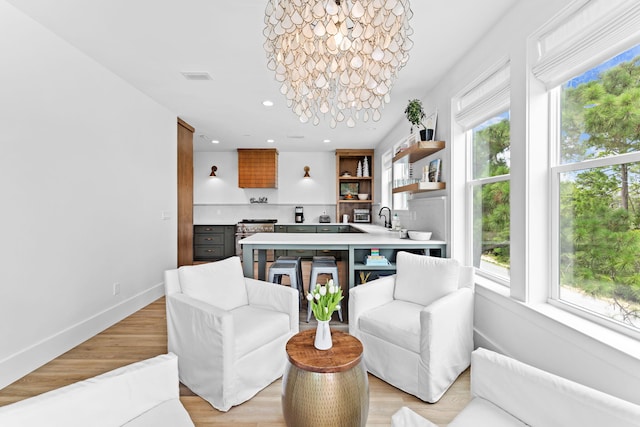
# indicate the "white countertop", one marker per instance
pixel 373 235
pixel 314 223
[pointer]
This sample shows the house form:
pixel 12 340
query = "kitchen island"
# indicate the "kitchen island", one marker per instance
pixel 357 245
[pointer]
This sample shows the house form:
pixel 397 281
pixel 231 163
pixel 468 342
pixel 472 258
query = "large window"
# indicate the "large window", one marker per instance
pixel 489 191
pixel 596 176
pixel 481 109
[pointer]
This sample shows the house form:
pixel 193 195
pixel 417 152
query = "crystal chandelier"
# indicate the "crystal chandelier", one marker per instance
pixel 337 57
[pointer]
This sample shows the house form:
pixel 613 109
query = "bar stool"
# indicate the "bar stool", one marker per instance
pixel 288 266
pixel 323 265
pixel 298 263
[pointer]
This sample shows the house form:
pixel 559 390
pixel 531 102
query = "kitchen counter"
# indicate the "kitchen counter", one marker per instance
pixel 370 229
pixel 356 244
pixel 317 223
pixel 215 223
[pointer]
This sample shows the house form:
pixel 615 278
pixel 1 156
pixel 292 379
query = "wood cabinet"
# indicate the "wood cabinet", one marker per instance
pixel 213 242
pixel 185 193
pixel 411 155
pixel 347 180
pixel 257 168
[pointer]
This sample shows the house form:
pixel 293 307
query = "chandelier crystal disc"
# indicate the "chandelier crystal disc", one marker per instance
pixel 337 57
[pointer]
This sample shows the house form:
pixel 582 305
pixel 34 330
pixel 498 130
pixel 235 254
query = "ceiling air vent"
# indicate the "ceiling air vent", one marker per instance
pixel 197 75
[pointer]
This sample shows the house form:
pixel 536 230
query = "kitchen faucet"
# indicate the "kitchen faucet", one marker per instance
pixel 387 221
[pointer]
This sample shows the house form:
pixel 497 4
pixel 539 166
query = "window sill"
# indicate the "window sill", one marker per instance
pixel 559 322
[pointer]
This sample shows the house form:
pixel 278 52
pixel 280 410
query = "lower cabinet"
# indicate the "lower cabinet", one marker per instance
pixel 213 242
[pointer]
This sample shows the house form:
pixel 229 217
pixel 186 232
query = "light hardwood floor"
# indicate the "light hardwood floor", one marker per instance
pixel 144 334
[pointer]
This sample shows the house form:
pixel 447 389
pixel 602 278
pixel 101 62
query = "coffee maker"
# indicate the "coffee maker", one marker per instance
pixel 299 214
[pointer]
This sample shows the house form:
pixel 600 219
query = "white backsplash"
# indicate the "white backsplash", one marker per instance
pixel 424 214
pixel 231 214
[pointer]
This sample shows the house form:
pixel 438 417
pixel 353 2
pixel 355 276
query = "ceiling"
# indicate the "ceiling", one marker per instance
pixel 150 43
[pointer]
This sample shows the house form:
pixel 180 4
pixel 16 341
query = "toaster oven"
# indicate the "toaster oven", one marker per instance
pixel 361 215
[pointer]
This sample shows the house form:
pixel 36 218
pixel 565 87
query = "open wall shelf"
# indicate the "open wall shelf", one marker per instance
pixel 412 154
pixel 420 150
pixel 421 187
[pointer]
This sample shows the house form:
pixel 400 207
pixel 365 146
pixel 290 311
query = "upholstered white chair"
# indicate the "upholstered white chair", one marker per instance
pixel 416 326
pixel 228 331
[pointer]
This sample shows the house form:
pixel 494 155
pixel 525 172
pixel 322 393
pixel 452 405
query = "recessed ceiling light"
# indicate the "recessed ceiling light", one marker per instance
pixel 204 137
pixel 270 141
pixel 197 75
pixel 267 103
pixel 326 141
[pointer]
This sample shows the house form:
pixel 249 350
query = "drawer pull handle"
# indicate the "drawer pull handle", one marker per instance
pixel 208 238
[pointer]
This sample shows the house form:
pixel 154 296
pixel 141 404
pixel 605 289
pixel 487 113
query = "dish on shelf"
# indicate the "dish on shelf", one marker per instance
pixel 420 235
pixel 363 196
pixel 346 175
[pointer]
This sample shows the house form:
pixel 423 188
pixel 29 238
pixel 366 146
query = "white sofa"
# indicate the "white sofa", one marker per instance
pixel 142 394
pixel 508 393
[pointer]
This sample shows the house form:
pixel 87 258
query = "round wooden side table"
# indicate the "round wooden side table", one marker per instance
pixel 322 388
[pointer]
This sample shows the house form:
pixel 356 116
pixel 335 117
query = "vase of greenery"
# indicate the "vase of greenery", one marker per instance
pixel 415 115
pixel 324 300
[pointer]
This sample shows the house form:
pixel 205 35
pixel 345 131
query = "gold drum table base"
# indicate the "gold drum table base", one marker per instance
pixel 338 399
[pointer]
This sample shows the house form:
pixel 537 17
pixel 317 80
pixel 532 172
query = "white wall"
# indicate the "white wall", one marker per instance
pixel 87 166
pixel 533 332
pixel 219 199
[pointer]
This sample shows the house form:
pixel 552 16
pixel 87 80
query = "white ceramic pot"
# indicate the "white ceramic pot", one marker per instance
pixel 323 336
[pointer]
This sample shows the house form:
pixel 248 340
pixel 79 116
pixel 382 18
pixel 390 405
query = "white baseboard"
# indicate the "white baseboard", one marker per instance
pixel 25 361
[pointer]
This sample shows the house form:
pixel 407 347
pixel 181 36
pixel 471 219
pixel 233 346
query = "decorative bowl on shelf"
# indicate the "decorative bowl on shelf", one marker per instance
pixel 363 196
pixel 419 235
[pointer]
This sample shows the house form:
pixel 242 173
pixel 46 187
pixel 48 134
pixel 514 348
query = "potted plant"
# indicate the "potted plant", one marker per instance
pixel 415 114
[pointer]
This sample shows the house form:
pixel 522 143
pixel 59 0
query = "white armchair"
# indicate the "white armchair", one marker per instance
pixel 228 331
pixel 417 325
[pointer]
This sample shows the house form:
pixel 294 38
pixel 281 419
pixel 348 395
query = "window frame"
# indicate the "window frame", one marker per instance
pixel 386 178
pixel 470 185
pixel 556 169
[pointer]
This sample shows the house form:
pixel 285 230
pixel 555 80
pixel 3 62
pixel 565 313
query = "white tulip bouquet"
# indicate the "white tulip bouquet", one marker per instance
pixel 324 300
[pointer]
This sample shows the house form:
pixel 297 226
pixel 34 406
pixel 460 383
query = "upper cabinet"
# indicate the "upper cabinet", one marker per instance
pixel 354 183
pixel 257 168
pixel 403 180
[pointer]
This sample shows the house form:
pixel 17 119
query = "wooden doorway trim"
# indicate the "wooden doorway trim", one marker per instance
pixel 185 193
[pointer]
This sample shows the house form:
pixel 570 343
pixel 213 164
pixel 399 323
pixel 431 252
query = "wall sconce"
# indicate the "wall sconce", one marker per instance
pixel 306 172
pixel 213 171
